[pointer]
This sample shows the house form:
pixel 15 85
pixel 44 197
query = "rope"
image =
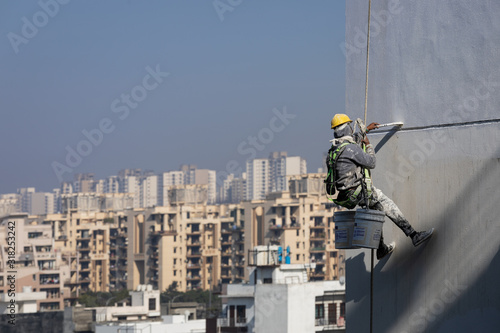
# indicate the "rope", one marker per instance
pixel 366 110
pixel 367 56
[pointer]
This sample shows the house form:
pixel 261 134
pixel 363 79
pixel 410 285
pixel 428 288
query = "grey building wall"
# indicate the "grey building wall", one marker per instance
pixel 435 66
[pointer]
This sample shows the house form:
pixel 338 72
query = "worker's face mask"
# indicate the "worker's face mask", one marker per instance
pixel 343 130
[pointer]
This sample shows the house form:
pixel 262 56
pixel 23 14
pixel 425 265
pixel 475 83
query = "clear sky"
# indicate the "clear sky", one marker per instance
pixel 99 86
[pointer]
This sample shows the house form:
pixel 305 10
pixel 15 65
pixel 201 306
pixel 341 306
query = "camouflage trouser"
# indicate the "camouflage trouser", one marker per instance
pixel 379 201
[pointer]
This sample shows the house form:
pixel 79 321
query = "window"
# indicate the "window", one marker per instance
pixel 175 272
pixel 241 314
pixel 298 257
pixel 332 313
pixel 320 311
pixel 152 304
pixel 298 232
pixel 175 261
pixel 268 280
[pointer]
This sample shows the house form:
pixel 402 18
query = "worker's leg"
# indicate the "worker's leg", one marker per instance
pixel 382 203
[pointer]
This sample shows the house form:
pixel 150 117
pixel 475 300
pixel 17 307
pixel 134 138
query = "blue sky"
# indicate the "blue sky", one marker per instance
pixel 88 66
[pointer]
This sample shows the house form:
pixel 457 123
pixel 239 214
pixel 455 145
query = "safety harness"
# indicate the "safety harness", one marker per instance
pixel 353 199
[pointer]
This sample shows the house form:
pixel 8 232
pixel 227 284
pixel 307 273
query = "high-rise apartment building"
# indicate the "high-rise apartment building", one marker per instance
pixel 170 178
pixel 266 175
pixel 150 191
pixel 258 178
pixel 301 222
pixel 83 182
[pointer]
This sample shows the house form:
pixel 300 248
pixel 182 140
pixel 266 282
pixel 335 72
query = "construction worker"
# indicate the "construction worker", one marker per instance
pixel 348 166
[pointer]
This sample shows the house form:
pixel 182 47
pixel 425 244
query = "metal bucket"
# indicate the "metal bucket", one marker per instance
pixel 368 228
pixel 344 228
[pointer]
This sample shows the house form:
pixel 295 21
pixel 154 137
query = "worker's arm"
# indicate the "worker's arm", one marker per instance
pixel 357 155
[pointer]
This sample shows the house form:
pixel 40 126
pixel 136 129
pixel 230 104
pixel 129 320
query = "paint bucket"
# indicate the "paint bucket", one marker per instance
pixel 344 229
pixel 368 228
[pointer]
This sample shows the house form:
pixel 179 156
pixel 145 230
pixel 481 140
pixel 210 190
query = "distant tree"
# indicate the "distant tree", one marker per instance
pixel 95 299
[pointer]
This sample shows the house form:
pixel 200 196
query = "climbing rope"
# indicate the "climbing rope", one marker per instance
pixel 367 56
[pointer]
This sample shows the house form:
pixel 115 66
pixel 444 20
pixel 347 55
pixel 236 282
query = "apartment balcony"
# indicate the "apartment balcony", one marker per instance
pixel 194 244
pixel 194 278
pixel 317 237
pixel 318 226
pixel 160 233
pixel 193 266
pixel 226 254
pixel 194 254
pixel 280 227
pixel 238 324
pixel 71 282
pixel 225 231
pixel 317 249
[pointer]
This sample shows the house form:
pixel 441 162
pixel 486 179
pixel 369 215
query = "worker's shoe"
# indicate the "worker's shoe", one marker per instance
pixel 421 237
pixel 386 250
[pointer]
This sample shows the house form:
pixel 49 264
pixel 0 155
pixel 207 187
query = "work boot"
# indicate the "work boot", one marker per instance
pixel 384 251
pixel 420 237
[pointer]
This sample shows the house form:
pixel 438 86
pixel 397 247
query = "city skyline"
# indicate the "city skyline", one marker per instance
pixel 147 85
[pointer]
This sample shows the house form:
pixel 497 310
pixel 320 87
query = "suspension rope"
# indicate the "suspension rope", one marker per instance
pixel 367 56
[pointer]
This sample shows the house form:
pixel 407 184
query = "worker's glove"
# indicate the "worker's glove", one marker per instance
pixel 372 126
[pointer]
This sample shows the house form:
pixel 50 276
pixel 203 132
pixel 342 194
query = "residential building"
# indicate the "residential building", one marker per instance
pixel 24 301
pixel 267 175
pixel 170 178
pixel 195 245
pixel 150 191
pixel 10 203
pixel 258 181
pixel 300 220
pixel 280 298
pixel 207 177
pixel 38 264
pixel 84 182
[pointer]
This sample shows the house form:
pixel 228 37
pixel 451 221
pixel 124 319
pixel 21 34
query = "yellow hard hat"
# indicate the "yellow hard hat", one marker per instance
pixel 340 119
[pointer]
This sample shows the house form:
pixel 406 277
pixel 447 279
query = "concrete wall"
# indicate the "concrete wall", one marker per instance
pixel 433 65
